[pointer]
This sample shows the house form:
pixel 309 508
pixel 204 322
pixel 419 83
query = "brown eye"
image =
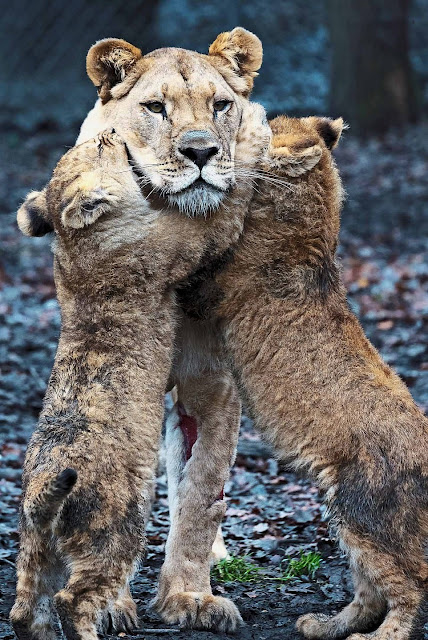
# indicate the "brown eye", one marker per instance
pixel 155 107
pixel 221 105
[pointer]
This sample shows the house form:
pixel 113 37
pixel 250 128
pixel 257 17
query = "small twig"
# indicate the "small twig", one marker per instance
pixel 12 564
pixel 154 631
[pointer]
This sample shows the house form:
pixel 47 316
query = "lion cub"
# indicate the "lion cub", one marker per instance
pixel 90 463
pixel 319 390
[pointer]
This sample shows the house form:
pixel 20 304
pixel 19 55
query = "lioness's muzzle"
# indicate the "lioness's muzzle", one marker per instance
pixel 199 146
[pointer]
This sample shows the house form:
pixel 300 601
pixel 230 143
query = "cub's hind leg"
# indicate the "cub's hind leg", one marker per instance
pixel 365 611
pixel 94 586
pixel 400 589
pixel 400 577
pixel 39 576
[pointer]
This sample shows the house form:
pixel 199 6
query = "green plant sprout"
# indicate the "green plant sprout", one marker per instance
pixel 306 565
pixel 236 569
pixel 242 569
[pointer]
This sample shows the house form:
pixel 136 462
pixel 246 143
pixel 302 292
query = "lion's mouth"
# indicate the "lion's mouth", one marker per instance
pixel 198 198
pixel 199 183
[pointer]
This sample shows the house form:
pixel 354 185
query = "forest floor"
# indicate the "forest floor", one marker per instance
pixel 271 514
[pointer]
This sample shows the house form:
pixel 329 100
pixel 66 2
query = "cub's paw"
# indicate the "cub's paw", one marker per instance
pixel 24 632
pixel 313 625
pixel 111 147
pixel 290 161
pixel 28 627
pixel 254 135
pixel 120 617
pixel 203 611
pixel 107 140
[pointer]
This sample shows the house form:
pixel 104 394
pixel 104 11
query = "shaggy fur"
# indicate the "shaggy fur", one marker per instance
pixel 84 510
pixel 89 466
pixel 189 88
pixel 188 84
pixel 315 386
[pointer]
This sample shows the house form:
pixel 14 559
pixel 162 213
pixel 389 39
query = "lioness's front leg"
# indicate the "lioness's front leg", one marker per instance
pixel 201 443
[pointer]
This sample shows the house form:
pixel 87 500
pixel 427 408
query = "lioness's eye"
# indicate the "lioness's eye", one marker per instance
pixel 221 105
pixel 154 107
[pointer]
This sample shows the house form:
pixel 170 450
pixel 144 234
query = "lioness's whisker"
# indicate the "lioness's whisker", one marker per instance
pixel 266 178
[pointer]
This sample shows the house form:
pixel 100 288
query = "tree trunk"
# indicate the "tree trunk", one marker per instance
pixel 371 83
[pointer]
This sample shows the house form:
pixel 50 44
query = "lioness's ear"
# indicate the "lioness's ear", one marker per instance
pixel 109 62
pixel 240 54
pixel 32 216
pixel 329 130
pixel 294 161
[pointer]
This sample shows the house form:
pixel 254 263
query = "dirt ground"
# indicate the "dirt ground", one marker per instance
pixel 271 514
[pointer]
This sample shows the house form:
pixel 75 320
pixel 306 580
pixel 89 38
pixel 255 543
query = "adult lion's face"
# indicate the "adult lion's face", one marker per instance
pixel 178 111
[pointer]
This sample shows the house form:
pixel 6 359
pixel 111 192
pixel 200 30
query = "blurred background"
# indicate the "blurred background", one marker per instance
pixel 366 60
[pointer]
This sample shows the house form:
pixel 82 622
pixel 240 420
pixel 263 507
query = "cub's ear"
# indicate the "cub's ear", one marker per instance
pixel 109 62
pixel 293 161
pixel 32 216
pixel 329 130
pixel 239 54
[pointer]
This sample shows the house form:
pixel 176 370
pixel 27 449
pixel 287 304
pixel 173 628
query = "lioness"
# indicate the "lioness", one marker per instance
pixel 179 112
pixel 191 137
pixel 316 387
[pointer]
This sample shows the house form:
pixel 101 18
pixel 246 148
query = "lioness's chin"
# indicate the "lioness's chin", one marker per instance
pixel 197 200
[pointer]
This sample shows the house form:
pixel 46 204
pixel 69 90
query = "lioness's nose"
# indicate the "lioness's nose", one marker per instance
pixel 199 147
pixel 199 156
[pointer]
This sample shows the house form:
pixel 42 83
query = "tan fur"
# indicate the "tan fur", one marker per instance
pixel 318 389
pixel 188 84
pixel 110 62
pixel 238 55
pixel 117 261
pixel 184 594
pixel 315 385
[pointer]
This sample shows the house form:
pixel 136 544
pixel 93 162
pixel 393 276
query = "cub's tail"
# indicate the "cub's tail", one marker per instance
pixel 43 509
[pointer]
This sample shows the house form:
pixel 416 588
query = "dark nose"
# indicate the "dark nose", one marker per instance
pixel 199 157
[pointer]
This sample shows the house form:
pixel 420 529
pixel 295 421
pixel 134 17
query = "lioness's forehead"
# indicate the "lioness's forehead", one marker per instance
pixel 173 71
